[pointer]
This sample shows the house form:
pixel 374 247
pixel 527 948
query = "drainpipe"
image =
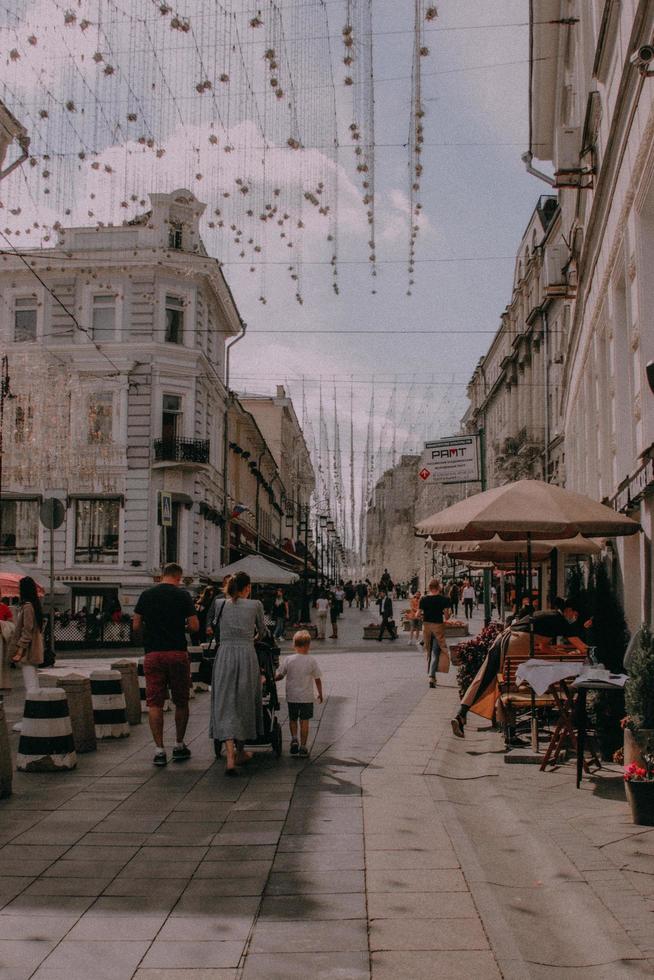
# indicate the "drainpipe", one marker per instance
pixel 228 402
pixel 546 356
pixel 527 160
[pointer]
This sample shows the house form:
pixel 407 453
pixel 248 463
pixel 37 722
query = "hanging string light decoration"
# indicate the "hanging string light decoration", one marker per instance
pixel 358 66
pixel 416 138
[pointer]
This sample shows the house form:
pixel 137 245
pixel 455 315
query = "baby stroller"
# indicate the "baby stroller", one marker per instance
pixel 268 656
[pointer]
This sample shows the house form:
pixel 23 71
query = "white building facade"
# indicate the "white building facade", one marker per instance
pixel 592 122
pixel 117 366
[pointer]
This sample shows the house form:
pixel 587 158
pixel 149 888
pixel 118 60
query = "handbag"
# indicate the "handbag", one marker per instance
pixel 205 670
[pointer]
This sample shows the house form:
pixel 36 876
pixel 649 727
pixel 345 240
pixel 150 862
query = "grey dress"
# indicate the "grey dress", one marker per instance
pixel 236 683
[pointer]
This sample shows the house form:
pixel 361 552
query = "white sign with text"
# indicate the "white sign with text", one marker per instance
pixel 451 460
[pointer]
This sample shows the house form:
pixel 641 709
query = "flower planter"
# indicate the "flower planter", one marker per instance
pixel 371 632
pixel 290 631
pixel 640 793
pixel 461 630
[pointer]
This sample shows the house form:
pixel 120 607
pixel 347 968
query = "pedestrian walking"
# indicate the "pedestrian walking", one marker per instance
pixel 280 614
pixel 454 598
pixel 322 609
pixel 415 622
pixel 301 672
pixel 203 605
pixel 468 596
pixel 339 595
pixel 164 613
pixel 435 609
pixel 334 612
pixel 385 604
pixel 26 645
pixel 236 710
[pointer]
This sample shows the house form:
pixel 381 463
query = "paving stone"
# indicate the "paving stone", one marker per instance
pixel 309 936
pixel 85 852
pixel 415 880
pixel 36 928
pixel 193 955
pixel 256 815
pixel 321 842
pixel 83 869
pixel 48 905
pixel 309 882
pixel 222 851
pixel 218 885
pixel 68 886
pixel 165 887
pixel 283 966
pixel 120 905
pixel 182 974
pixel 411 858
pixel 12 886
pixel 421 905
pixel 207 927
pixel 232 869
pixel 215 905
pixel 346 906
pixel 115 960
pixel 20 958
pixel 104 927
pixel 459 965
pixel 320 861
pixel 139 867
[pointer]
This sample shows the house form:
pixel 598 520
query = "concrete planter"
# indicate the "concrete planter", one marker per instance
pixel 456 630
pixel 640 794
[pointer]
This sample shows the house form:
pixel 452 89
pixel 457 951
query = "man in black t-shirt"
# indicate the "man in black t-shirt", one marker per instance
pixel 435 609
pixel 166 612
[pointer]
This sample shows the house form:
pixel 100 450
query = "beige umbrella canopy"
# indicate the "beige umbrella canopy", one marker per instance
pixel 526 509
pixel 500 552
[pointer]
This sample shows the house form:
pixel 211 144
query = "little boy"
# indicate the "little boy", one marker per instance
pixel 300 671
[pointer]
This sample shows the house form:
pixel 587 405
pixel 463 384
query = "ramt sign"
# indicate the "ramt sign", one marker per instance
pixel 451 460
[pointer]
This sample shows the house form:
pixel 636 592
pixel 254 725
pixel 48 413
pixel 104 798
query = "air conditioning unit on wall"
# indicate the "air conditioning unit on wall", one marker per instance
pixel 569 170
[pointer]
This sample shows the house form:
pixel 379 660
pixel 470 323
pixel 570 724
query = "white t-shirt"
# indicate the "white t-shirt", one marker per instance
pixel 468 592
pixel 300 671
pixel 322 605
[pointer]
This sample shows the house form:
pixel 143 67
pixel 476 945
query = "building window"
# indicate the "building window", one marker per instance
pixel 101 411
pixel 103 320
pixel 174 320
pixel 171 418
pixel 19 530
pixel 23 424
pixel 25 320
pixel 96 531
pixel 172 535
pixel 175 235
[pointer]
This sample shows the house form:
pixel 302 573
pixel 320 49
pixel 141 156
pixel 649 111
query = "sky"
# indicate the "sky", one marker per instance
pixel 413 353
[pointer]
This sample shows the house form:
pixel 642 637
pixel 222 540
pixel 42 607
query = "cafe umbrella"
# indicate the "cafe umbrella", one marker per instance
pixel 526 510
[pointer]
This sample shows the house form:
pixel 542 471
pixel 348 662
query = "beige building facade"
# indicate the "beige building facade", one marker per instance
pixel 592 123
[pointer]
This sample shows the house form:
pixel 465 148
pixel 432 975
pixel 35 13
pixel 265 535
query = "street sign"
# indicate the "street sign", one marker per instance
pixel 451 460
pixel 165 509
pixel 52 513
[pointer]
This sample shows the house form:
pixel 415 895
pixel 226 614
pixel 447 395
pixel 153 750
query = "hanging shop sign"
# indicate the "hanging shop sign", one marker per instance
pixel 633 489
pixel 451 460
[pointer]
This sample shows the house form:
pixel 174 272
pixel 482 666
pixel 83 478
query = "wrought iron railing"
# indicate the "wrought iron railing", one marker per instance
pixel 181 450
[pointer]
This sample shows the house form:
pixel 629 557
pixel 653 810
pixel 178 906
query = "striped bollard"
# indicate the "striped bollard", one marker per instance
pixel 130 685
pixel 109 712
pixel 46 740
pixel 140 670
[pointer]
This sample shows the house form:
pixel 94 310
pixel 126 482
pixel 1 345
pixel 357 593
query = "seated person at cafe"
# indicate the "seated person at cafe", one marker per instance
pixel 482 696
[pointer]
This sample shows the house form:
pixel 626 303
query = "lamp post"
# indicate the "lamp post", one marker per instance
pixel 322 520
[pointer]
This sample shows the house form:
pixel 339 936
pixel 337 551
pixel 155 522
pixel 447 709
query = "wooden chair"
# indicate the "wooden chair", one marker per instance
pixel 516 700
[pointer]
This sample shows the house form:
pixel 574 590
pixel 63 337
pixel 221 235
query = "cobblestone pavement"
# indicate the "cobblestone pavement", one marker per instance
pixel 397 851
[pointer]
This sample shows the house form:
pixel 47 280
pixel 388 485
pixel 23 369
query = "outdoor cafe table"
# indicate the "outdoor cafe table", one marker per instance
pixel 547 676
pixel 582 687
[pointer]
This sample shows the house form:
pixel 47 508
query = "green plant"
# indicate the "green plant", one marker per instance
pixel 473 653
pixel 639 689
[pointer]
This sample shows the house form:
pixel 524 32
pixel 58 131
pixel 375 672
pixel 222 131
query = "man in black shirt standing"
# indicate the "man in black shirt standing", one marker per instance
pixel 166 612
pixel 435 608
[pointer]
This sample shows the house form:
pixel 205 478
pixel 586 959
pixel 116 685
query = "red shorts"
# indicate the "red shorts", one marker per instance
pixel 164 670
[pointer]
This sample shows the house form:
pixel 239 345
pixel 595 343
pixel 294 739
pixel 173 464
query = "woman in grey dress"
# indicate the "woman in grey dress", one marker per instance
pixel 236 715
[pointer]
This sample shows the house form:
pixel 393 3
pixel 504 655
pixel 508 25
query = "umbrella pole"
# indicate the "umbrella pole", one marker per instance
pixel 532 648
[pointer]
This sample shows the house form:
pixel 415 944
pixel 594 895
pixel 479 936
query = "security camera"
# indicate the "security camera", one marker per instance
pixel 642 57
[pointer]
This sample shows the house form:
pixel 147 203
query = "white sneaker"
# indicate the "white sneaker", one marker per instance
pixel 18 727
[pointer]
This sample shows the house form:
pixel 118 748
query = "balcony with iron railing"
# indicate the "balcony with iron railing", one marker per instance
pixel 181 452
